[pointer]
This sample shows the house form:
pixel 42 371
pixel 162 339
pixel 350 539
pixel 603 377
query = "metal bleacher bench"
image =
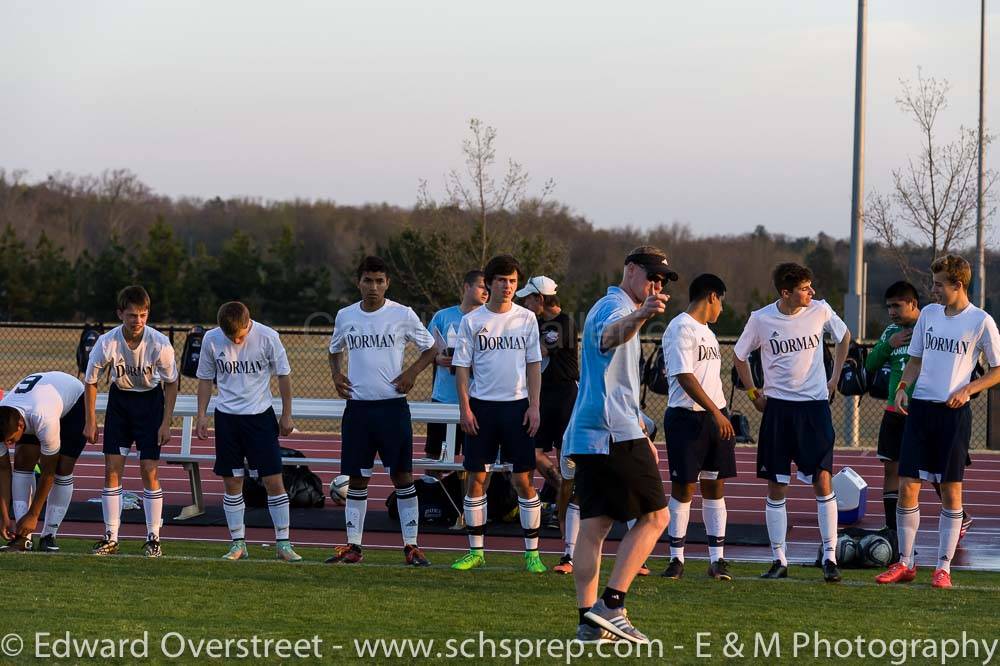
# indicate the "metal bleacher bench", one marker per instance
pixel 302 408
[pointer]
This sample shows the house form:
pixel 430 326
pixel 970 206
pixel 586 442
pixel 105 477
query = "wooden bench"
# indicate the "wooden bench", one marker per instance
pixel 302 408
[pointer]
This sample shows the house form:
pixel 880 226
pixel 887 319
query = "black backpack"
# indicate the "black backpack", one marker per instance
pixel 88 338
pixel 440 501
pixel 853 377
pixel 756 371
pixel 654 372
pixel 304 488
pixel 192 352
pixel 878 382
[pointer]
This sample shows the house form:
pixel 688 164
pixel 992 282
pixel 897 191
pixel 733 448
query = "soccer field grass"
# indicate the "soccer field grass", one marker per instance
pixel 190 597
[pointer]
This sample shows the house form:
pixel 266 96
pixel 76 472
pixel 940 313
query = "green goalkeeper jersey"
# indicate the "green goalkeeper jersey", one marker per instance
pixel 897 358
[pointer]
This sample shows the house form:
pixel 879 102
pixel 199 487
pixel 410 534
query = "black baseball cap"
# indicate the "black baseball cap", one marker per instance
pixel 653 263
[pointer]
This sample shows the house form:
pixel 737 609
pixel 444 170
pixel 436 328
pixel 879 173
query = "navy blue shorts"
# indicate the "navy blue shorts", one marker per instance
pixel 890 436
pixel 799 431
pixel 501 431
pixel 71 439
pixel 936 442
pixel 373 427
pixel 694 449
pixel 555 408
pixel 133 416
pixel 249 437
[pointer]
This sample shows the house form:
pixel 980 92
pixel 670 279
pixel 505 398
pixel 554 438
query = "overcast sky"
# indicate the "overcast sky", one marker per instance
pixel 723 115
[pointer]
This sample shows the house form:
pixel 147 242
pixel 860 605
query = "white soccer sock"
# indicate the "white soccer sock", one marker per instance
pixel 572 527
pixel 57 504
pixel 409 514
pixel 111 505
pixel 474 509
pixel 949 527
pixel 234 508
pixel 531 520
pixel 777 526
pixel 22 490
pixel 907 523
pixel 277 506
pixel 826 512
pixel 713 512
pixel 680 514
pixel 354 514
pixel 152 506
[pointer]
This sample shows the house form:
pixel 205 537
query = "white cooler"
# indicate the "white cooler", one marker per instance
pixel 852 496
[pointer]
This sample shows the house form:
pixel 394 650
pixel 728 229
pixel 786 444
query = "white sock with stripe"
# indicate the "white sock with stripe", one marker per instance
pixel 907 524
pixel 777 527
pixel 409 513
pixel 22 490
pixel 680 515
pixel 949 527
pixel 354 514
pixel 111 505
pixel 826 512
pixel 474 509
pixel 152 506
pixel 531 520
pixel 277 506
pixel 713 512
pixel 572 527
pixel 57 504
pixel 235 508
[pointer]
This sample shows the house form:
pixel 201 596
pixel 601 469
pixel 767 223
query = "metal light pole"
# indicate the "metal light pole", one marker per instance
pixel 852 301
pixel 979 284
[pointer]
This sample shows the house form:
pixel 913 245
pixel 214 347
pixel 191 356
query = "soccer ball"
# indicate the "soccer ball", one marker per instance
pixel 338 489
pixel 876 551
pixel 848 551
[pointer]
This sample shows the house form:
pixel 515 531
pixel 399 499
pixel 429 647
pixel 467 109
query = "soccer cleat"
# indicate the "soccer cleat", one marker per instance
pixel 941 579
pixel 565 566
pixel 896 573
pixel 347 554
pixel 643 570
pixel 105 546
pixel 533 563
pixel 238 551
pixel 415 557
pixel 719 570
pixel 831 573
pixel 471 560
pixel 588 633
pixel 966 524
pixel 616 621
pixel 777 570
pixel 152 547
pixel 19 544
pixel 283 551
pixel 47 544
pixel 675 570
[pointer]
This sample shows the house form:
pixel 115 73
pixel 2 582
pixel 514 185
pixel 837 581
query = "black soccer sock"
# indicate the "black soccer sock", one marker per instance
pixel 583 614
pixel 613 598
pixel 889 501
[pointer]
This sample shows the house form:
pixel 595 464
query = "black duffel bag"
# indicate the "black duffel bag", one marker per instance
pixel 304 488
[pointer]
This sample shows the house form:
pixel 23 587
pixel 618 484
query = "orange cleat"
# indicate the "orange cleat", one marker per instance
pixel 941 579
pixel 897 573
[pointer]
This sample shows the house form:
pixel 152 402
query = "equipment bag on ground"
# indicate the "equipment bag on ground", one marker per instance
pixel 304 488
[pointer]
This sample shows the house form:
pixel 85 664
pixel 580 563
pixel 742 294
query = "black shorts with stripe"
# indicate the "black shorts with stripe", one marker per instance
pixel 622 484
pixel 501 433
pixel 936 442
pixel 133 417
pixel 694 448
pixel 795 431
pixel 252 438
pixel 71 439
pixel 377 427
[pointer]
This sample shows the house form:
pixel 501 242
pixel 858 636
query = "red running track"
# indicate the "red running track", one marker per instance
pixel 744 498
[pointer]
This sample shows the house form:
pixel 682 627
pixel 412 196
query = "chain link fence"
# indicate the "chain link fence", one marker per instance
pixel 27 348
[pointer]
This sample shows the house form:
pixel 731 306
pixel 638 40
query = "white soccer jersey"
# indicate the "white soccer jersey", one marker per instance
pixel 139 369
pixel 791 349
pixel 43 398
pixel 690 347
pixel 243 372
pixel 498 348
pixel 375 342
pixel 949 347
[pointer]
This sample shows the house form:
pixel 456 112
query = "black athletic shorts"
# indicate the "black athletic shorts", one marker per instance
pixel 249 437
pixel 555 406
pixel 501 430
pixel 622 484
pixel 373 427
pixel 890 435
pixel 71 439
pixel 436 432
pixel 936 442
pixel 133 416
pixel 694 448
pixel 799 431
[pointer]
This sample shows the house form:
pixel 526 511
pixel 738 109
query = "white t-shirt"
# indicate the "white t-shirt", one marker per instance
pixel 43 398
pixel 498 348
pixel 375 342
pixel 792 349
pixel 949 347
pixel 690 347
pixel 139 369
pixel 243 372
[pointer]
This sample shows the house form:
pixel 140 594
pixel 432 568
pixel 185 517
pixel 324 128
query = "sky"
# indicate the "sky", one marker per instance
pixel 721 115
